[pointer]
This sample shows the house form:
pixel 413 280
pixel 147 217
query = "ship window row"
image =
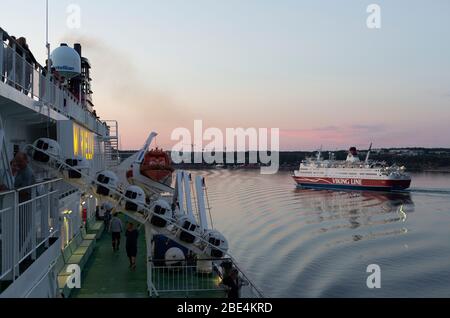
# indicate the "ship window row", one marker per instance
pixel 342 173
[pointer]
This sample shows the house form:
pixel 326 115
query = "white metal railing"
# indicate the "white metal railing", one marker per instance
pixel 7 219
pixel 183 279
pixel 186 278
pixel 34 81
pixel 28 219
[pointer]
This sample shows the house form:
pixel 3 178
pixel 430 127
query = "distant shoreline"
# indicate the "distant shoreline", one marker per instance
pixel 414 159
pixel 284 168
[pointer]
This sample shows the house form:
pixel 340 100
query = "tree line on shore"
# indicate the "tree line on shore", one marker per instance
pixel 414 159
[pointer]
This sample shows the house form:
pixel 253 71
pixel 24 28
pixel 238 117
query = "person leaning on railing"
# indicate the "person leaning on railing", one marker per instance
pixel 232 281
pixel 55 77
pixel 25 52
pixel 7 56
pixel 22 175
pixel 22 50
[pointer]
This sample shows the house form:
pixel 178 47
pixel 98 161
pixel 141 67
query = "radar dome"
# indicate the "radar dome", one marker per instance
pixel 66 61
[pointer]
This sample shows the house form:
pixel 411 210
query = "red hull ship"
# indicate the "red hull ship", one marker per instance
pixel 351 174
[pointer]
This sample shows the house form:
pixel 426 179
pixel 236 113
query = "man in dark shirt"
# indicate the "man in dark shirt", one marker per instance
pixel 131 244
pixel 8 56
pixel 5 56
pixel 116 228
pixel 233 283
pixel 25 52
pixel 24 176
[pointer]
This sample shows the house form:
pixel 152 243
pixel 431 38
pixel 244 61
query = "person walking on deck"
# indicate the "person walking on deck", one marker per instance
pixel 107 215
pixel 116 228
pixel 131 244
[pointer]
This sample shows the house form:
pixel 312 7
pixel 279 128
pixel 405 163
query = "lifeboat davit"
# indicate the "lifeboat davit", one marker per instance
pixel 157 166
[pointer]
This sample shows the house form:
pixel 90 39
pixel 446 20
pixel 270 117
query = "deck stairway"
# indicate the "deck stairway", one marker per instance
pixel 112 157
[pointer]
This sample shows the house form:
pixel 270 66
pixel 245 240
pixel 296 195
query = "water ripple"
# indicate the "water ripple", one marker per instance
pixel 309 243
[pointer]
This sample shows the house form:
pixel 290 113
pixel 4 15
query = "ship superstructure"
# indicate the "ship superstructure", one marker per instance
pixel 351 173
pixel 38 220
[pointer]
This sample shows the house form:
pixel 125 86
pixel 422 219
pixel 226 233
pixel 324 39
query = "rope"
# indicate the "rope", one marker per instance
pixel 193 193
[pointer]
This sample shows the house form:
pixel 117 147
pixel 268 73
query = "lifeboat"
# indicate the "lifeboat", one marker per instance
pixel 46 151
pixel 162 208
pixel 219 243
pixel 136 194
pixel 157 166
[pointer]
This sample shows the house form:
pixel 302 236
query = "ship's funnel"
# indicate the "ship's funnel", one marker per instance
pixel 77 47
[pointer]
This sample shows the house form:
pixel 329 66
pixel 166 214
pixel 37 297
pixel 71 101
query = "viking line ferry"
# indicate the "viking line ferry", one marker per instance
pixel 351 173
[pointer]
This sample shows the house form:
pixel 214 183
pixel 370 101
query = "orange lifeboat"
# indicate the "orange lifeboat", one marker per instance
pixel 157 166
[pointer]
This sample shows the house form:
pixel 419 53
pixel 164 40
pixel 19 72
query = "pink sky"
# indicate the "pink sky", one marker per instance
pixel 320 76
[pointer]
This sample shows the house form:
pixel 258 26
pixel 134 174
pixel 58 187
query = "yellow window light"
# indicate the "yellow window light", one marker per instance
pixel 83 142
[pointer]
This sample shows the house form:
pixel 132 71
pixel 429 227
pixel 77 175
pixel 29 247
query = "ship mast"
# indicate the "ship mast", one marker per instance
pixel 368 154
pixel 47 44
pixel 319 154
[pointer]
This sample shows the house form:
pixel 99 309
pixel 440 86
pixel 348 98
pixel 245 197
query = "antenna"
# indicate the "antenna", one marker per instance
pixel 368 153
pixel 47 44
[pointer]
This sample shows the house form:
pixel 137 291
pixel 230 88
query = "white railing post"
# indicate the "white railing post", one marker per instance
pixel 3 251
pixel 39 92
pixel 46 89
pixel 46 217
pixel 15 241
pixel 7 235
pixel 33 223
pixel 186 279
pixel 148 243
pixel 50 96
pixel 32 81
pixel 14 58
pixel 2 49
pixel 149 277
pixel 24 65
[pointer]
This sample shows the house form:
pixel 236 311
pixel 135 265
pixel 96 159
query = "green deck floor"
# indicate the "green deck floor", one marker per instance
pixel 107 273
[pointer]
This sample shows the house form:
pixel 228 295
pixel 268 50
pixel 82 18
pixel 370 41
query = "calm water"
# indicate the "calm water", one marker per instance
pixel 310 243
